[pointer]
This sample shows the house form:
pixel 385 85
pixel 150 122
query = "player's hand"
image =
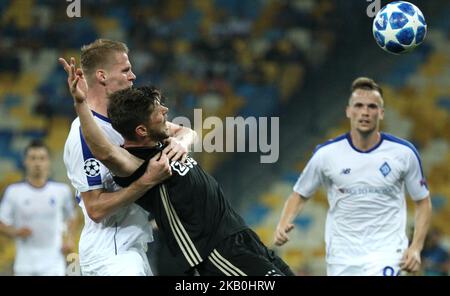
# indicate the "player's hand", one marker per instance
pixel 68 247
pixel 175 150
pixel 281 232
pixel 23 232
pixel 411 260
pixel 158 170
pixel 75 80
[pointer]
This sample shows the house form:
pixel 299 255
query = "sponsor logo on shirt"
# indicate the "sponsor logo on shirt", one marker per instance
pixel 367 190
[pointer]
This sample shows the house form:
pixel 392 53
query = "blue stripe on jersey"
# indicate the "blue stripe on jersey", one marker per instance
pixel 87 154
pixel 394 139
pixel 104 118
pixel 78 198
pixel 337 139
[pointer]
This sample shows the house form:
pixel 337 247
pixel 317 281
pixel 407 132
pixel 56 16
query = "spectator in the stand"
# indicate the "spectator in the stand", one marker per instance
pixel 436 259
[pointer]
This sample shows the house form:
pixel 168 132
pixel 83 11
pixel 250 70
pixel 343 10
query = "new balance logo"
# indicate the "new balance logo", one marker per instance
pixel 345 171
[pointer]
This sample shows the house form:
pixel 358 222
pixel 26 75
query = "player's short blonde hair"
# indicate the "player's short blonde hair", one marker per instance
pixel 99 53
pixel 366 83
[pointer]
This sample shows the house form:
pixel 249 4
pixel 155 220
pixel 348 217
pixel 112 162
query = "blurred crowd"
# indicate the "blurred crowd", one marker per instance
pixel 227 57
pixel 210 54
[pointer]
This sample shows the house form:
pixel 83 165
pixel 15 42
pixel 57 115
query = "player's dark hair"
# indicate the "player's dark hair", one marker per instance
pixel 131 107
pixel 36 143
pixel 99 53
pixel 366 84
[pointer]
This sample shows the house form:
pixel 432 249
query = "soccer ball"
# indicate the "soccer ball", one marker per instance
pixel 399 27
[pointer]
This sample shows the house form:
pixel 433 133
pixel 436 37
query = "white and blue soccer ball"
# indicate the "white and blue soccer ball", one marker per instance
pixel 399 27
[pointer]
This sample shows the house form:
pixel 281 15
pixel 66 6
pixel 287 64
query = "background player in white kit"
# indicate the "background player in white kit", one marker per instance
pixel 116 231
pixel 113 240
pixel 365 173
pixel 36 213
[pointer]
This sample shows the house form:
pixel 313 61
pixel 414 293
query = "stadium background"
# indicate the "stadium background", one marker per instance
pixel 290 59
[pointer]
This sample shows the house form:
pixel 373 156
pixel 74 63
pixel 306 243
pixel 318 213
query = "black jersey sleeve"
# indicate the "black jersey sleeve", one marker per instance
pixel 126 181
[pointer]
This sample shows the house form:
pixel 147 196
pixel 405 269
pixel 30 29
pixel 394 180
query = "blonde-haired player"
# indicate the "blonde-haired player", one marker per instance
pixel 116 232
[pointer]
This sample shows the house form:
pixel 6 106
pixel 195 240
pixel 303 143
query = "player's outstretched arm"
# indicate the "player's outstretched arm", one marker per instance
pixel 117 159
pixel 292 207
pixel 411 259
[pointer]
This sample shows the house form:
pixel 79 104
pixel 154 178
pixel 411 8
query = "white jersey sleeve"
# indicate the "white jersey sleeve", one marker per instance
pixel 7 208
pixel 122 230
pixel 83 170
pixel 311 177
pixel 414 178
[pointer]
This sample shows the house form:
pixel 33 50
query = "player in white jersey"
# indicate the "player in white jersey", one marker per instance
pixel 114 238
pixel 36 213
pixel 114 242
pixel 116 231
pixel 365 173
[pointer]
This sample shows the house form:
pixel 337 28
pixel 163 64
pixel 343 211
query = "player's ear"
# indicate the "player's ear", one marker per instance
pixel 381 117
pixel 100 74
pixel 347 109
pixel 141 131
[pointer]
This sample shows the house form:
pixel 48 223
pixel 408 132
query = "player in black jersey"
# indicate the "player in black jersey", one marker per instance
pixel 189 207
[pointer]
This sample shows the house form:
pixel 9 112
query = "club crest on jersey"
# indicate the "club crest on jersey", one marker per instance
pixel 385 169
pixel 92 167
pixel 183 168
